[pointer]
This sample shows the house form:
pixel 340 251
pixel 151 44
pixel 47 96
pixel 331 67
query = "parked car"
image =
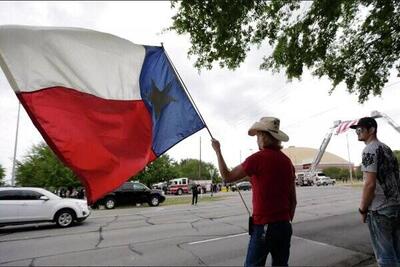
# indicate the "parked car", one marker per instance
pixel 160 186
pixel 245 185
pixel 22 205
pixel 131 193
pixel 324 180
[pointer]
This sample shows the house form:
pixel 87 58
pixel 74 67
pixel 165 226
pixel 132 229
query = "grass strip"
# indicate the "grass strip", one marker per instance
pixel 188 200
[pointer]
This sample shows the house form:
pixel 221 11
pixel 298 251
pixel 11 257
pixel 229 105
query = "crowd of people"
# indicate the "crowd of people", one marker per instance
pixel 71 192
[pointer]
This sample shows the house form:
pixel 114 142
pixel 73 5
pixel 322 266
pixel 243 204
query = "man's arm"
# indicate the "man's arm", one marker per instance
pixel 368 192
pixel 235 174
pixel 293 200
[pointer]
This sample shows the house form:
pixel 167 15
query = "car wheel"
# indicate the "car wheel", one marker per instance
pixel 109 203
pixel 179 192
pixel 154 201
pixel 64 218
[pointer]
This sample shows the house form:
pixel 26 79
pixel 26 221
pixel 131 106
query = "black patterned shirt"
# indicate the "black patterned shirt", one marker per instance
pixel 379 158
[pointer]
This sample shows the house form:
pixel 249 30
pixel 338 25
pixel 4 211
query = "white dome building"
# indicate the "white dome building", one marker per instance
pixel 302 157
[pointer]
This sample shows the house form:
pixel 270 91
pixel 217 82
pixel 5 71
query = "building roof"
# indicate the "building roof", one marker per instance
pixel 305 155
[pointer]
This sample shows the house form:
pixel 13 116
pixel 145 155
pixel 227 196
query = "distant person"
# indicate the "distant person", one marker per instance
pixel 274 197
pixel 63 192
pixel 380 200
pixel 69 192
pixel 195 194
pixel 74 193
pixel 81 193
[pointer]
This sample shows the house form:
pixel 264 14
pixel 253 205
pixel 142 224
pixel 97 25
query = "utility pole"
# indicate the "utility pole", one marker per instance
pixel 15 148
pixel 200 160
pixel 348 153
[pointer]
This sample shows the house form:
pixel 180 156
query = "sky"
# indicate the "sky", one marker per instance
pixel 229 101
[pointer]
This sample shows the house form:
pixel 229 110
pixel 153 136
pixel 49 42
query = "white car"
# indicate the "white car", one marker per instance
pixel 22 205
pixel 326 180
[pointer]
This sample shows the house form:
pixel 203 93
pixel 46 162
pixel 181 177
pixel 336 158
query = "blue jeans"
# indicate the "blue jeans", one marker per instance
pixel 272 238
pixel 384 228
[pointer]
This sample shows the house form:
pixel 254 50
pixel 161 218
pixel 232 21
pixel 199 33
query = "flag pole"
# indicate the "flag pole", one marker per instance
pixel 15 148
pixel 187 91
pixel 197 110
pixel 244 202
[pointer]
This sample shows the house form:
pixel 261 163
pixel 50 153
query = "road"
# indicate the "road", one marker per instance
pixel 327 232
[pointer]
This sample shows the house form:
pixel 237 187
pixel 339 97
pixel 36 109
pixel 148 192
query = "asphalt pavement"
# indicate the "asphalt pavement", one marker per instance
pixel 327 232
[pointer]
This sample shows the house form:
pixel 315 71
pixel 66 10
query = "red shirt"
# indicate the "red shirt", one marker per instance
pixel 272 176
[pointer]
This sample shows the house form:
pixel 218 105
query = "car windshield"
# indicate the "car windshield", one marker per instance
pixel 139 186
pixel 321 174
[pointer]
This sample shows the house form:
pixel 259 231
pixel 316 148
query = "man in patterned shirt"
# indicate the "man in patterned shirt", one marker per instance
pixel 380 201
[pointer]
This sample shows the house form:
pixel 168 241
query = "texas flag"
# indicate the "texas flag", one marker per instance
pixel 106 107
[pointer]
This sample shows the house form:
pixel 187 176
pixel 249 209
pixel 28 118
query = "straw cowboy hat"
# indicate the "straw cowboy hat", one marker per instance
pixel 271 125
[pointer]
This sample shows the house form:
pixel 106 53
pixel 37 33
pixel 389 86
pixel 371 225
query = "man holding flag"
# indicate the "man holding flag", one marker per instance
pixel 274 193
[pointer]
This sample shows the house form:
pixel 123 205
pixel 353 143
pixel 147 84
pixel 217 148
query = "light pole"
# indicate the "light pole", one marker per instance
pixel 15 148
pixel 348 153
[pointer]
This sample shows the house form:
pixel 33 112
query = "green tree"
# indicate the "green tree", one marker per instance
pixel 358 173
pixel 350 41
pixel 41 168
pixel 337 173
pixel 190 168
pixel 162 169
pixel 333 172
pixel 2 175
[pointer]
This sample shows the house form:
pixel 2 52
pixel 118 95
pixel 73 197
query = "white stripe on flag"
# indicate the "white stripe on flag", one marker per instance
pixel 344 126
pixel 92 62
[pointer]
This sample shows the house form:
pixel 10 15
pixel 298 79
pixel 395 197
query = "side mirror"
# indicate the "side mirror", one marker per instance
pixel 45 198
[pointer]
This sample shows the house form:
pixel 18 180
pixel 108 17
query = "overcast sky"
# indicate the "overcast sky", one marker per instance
pixel 229 101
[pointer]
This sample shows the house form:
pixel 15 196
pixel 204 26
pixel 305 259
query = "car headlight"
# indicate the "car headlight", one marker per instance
pixel 82 205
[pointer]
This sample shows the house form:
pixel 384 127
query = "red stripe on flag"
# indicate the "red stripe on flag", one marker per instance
pixel 104 142
pixel 344 126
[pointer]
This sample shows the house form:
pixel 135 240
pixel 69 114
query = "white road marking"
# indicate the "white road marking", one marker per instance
pixel 216 239
pixel 231 236
pixel 312 241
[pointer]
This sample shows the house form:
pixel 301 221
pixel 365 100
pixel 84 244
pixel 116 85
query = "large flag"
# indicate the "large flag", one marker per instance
pixel 106 107
pixel 344 126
